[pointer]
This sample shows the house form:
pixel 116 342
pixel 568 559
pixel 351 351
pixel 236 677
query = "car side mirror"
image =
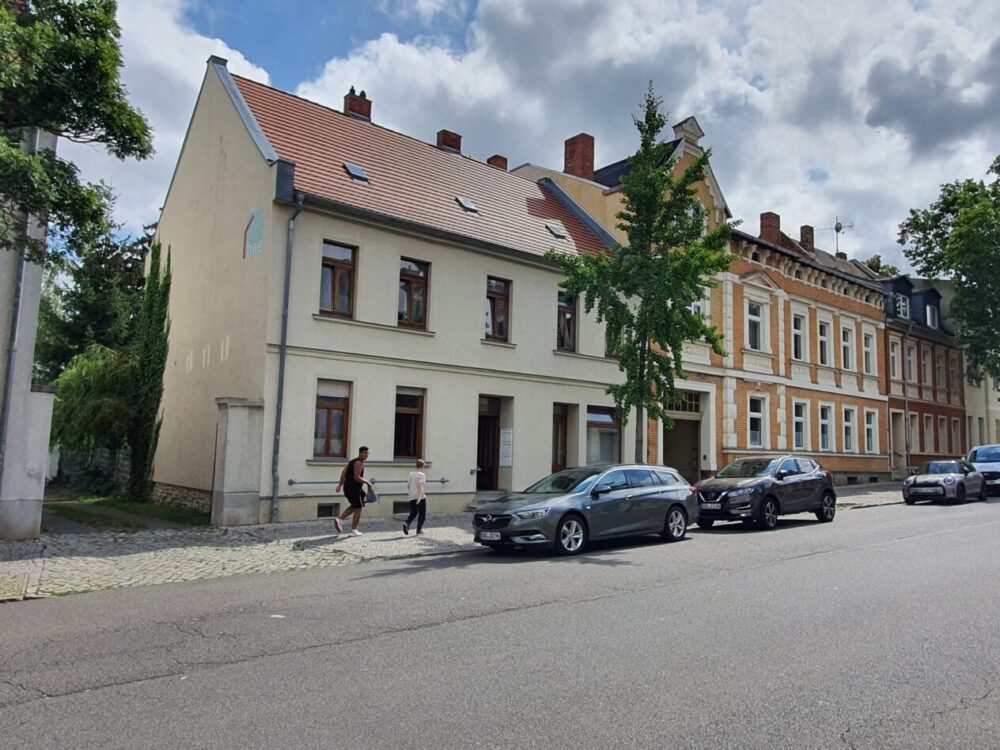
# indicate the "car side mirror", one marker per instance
pixel 601 489
pixel 781 475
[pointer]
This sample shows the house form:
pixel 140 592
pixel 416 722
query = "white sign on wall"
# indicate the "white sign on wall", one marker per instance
pixel 506 446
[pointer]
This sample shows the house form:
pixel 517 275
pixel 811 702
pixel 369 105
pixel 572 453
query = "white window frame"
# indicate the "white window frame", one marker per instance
pixel 871 431
pixel 763 321
pixel 703 306
pixel 802 334
pixel 942 436
pixel 848 352
pixel 931 311
pixel 850 429
pixel 763 416
pixel 902 305
pixel 829 423
pixel 894 360
pixel 824 342
pixel 914 428
pixel 870 363
pixel 927 366
pixel 956 435
pixel 804 421
pixel 929 434
pixel 911 363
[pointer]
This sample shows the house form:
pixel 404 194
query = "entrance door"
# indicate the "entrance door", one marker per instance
pixel 559 437
pixel 682 447
pixel 898 425
pixel 488 452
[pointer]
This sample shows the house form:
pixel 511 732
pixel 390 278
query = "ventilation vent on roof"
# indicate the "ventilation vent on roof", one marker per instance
pixel 467 205
pixel 356 172
pixel 557 231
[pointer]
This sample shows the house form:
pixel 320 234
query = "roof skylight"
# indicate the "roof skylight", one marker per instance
pixel 356 172
pixel 556 231
pixel 467 205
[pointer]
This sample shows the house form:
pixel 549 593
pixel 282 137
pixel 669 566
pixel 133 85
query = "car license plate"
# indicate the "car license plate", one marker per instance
pixel 712 506
pixel 489 536
pixel 993 481
pixel 925 490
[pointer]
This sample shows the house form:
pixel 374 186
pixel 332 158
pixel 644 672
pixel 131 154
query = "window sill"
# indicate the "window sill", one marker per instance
pixel 758 352
pixel 577 355
pixel 497 342
pixel 378 326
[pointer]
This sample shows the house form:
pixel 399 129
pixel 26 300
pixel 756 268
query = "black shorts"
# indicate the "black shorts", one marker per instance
pixel 355 497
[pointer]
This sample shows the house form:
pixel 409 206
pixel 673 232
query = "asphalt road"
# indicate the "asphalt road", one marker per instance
pixel 881 630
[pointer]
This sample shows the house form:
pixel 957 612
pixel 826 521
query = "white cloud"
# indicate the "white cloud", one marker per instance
pixel 164 66
pixel 425 11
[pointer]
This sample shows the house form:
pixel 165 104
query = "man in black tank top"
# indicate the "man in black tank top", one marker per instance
pixel 353 483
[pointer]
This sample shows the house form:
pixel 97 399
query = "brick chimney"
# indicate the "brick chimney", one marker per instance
pixel 842 255
pixel 578 157
pixel 806 238
pixel 770 227
pixel 500 162
pixel 448 141
pixel 358 106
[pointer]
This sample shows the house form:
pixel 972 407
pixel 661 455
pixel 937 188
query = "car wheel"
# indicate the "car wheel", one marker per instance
pixel 706 523
pixel 908 499
pixel 571 535
pixel 675 526
pixel 960 494
pixel 982 493
pixel 767 514
pixel 827 507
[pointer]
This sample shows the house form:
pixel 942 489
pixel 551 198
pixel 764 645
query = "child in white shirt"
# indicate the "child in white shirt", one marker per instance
pixel 416 483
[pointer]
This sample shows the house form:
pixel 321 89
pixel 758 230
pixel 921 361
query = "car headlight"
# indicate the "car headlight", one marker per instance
pixel 948 480
pixel 743 492
pixel 530 515
pixel 908 480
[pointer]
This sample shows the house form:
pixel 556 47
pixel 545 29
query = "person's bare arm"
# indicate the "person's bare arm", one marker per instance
pixel 357 475
pixel 343 476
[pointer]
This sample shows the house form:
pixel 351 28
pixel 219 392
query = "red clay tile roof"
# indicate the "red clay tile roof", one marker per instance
pixel 410 180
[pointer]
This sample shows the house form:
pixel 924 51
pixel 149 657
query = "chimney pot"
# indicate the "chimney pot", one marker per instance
pixel 579 156
pixel 448 141
pixel 358 106
pixel 770 227
pixel 498 161
pixel 807 237
pixel 842 255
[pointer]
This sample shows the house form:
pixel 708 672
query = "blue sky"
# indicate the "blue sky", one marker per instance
pixel 813 110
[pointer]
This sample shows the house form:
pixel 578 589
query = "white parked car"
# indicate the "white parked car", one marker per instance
pixel 986 460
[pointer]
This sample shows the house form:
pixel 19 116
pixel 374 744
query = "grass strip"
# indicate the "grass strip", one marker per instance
pixel 172 513
pixel 79 515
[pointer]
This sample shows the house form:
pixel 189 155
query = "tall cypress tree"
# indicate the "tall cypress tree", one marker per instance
pixel 151 353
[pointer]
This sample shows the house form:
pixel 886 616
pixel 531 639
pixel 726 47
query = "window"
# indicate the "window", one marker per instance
pixel 902 306
pixel 798 337
pixel 556 231
pixel 336 295
pixel 849 416
pixel 940 372
pixel 409 436
pixel 756 422
pixel 824 343
pixel 928 433
pixel 413 277
pixel 604 436
pixel 497 308
pixel 871 431
pixel 982 430
pixel 868 345
pixel 894 359
pixel 847 348
pixel 799 414
pixel 956 435
pixel 925 360
pixel 467 205
pixel 356 172
pixel 755 326
pixel 825 428
pixel 968 432
pixel 953 383
pixel 914 433
pixel 566 323
pixel 332 410
pixel 911 355
pixel 789 466
pixel 943 434
pixel 932 316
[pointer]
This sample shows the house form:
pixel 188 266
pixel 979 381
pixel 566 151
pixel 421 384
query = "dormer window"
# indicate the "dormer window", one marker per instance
pixel 932 316
pixel 902 306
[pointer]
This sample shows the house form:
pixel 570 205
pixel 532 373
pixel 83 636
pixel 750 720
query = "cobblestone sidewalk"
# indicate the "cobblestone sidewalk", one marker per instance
pixel 71 563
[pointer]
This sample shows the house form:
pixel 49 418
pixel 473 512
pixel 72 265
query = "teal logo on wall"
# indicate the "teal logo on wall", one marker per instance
pixel 253 235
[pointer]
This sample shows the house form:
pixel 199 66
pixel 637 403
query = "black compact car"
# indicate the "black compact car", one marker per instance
pixel 758 490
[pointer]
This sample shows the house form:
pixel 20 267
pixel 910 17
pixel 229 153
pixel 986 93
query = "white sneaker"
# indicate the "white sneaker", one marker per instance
pixel 338 525
pixel 355 532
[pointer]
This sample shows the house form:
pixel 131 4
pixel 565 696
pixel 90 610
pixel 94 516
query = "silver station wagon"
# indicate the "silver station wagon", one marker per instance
pixel 571 507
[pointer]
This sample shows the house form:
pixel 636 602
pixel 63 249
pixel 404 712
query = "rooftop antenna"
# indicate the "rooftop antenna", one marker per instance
pixel 838 228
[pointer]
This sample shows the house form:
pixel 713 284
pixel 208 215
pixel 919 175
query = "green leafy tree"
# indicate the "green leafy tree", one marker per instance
pixel 93 407
pixel 147 390
pixel 645 291
pixel 95 299
pixel 59 72
pixel 959 236
pixel 880 267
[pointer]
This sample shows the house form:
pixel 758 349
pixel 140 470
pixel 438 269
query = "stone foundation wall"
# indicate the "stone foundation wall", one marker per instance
pixel 188 497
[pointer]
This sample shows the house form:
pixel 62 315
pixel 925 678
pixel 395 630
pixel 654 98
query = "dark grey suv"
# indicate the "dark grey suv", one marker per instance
pixel 569 508
pixel 757 490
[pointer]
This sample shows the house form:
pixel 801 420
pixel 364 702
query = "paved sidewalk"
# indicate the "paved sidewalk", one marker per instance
pixel 58 564
pixel 870 495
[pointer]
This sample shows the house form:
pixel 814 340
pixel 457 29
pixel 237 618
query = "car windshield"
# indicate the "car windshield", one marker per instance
pixel 986 455
pixel 748 467
pixel 941 467
pixel 562 481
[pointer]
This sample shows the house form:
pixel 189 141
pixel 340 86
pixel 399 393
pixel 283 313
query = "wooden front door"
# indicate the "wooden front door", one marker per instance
pixel 488 452
pixel 559 438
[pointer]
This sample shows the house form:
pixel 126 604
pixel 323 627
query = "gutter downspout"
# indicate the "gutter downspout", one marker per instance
pixel 279 401
pixel 15 324
pixel 906 399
